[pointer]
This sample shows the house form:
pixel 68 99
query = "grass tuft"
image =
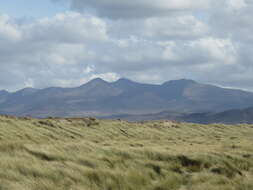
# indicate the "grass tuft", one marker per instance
pixel 91 154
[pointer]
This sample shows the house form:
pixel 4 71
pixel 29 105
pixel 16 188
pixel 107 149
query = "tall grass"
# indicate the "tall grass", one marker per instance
pixel 89 154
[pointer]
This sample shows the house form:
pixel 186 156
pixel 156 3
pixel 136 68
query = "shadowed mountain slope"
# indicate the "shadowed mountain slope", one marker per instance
pixel 3 96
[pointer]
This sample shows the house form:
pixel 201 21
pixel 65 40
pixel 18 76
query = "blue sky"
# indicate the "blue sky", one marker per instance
pixel 31 8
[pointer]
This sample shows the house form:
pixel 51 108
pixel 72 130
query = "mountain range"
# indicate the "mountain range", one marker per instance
pixel 125 97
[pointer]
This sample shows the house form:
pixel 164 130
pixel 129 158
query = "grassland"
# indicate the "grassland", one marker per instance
pixel 89 154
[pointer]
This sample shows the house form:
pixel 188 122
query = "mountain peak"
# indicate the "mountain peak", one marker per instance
pixel 125 83
pixel 95 82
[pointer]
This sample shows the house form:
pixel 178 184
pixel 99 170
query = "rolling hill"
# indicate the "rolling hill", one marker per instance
pixel 101 98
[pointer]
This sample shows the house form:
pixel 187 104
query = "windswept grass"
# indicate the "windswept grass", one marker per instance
pixel 89 154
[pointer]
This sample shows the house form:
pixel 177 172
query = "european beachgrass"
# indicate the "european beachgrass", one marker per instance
pixel 91 154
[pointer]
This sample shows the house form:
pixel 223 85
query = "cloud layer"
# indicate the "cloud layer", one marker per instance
pixel 147 41
pixel 137 9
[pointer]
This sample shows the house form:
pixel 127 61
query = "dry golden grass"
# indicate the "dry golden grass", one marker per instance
pixel 87 154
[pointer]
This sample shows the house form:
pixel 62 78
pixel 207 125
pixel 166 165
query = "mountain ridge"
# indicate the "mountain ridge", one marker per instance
pixel 100 98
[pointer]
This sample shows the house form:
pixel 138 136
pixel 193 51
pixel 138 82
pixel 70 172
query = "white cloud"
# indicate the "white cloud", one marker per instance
pixel 148 41
pixel 67 27
pixel 221 50
pixel 8 30
pixel 46 51
pixel 237 4
pixel 181 27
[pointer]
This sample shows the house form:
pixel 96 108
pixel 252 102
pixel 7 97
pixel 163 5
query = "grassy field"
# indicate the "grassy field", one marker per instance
pixel 89 154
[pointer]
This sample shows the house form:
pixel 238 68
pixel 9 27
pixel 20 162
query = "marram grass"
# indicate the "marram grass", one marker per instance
pixel 89 154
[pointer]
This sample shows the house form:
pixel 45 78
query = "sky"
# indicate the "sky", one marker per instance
pixel 69 42
pixel 31 8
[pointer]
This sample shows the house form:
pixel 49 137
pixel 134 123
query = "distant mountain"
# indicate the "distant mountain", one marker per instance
pixel 165 115
pixel 101 98
pixel 3 95
pixel 234 116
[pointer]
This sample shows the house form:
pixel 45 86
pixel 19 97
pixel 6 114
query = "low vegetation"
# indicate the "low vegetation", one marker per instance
pixel 90 154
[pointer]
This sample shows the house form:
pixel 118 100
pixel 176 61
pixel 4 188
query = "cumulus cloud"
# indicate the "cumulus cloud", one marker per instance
pixel 148 41
pixel 8 29
pixel 50 48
